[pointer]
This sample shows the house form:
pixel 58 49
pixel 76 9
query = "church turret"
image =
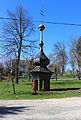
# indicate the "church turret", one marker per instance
pixel 40 72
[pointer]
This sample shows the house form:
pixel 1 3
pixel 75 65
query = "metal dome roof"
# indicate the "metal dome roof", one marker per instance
pixel 41 59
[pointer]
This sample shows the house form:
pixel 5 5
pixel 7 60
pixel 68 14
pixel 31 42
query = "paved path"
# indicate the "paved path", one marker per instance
pixel 48 109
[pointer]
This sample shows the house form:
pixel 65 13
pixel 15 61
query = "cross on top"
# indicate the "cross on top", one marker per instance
pixel 42 14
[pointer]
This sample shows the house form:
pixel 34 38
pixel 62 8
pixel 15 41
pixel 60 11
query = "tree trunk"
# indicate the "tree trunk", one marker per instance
pixel 18 60
pixel 13 85
pixel 56 76
pixel 17 71
pixel 29 76
pixel 1 78
pixel 62 70
pixel 56 73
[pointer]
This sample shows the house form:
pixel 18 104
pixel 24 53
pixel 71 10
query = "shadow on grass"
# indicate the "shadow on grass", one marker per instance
pixel 58 91
pixel 48 93
pixel 28 83
pixel 64 89
pixel 12 110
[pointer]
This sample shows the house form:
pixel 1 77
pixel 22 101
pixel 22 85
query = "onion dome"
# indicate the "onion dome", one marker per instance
pixel 41 59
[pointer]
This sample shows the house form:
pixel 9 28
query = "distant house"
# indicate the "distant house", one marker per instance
pixel 22 67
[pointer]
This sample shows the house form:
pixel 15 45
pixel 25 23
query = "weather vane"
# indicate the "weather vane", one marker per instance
pixel 42 14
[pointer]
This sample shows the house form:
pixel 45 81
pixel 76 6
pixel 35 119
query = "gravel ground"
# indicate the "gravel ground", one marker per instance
pixel 45 109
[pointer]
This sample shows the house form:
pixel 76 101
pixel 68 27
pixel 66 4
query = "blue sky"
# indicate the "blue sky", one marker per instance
pixel 68 11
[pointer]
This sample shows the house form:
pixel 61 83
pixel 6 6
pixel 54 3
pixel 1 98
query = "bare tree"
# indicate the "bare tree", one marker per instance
pixel 76 50
pixel 7 67
pixel 72 61
pixel 54 65
pixel 17 35
pixel 29 67
pixel 61 56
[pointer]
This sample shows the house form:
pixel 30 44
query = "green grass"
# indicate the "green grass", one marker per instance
pixel 59 76
pixel 58 89
pixel 67 76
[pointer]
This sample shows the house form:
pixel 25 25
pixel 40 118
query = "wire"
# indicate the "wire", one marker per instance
pixel 7 18
pixel 47 22
pixel 71 24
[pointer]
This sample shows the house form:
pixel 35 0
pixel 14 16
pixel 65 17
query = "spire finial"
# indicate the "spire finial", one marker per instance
pixel 41 28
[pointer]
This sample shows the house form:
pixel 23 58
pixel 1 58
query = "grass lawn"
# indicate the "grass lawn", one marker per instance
pixel 58 89
pixel 66 76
